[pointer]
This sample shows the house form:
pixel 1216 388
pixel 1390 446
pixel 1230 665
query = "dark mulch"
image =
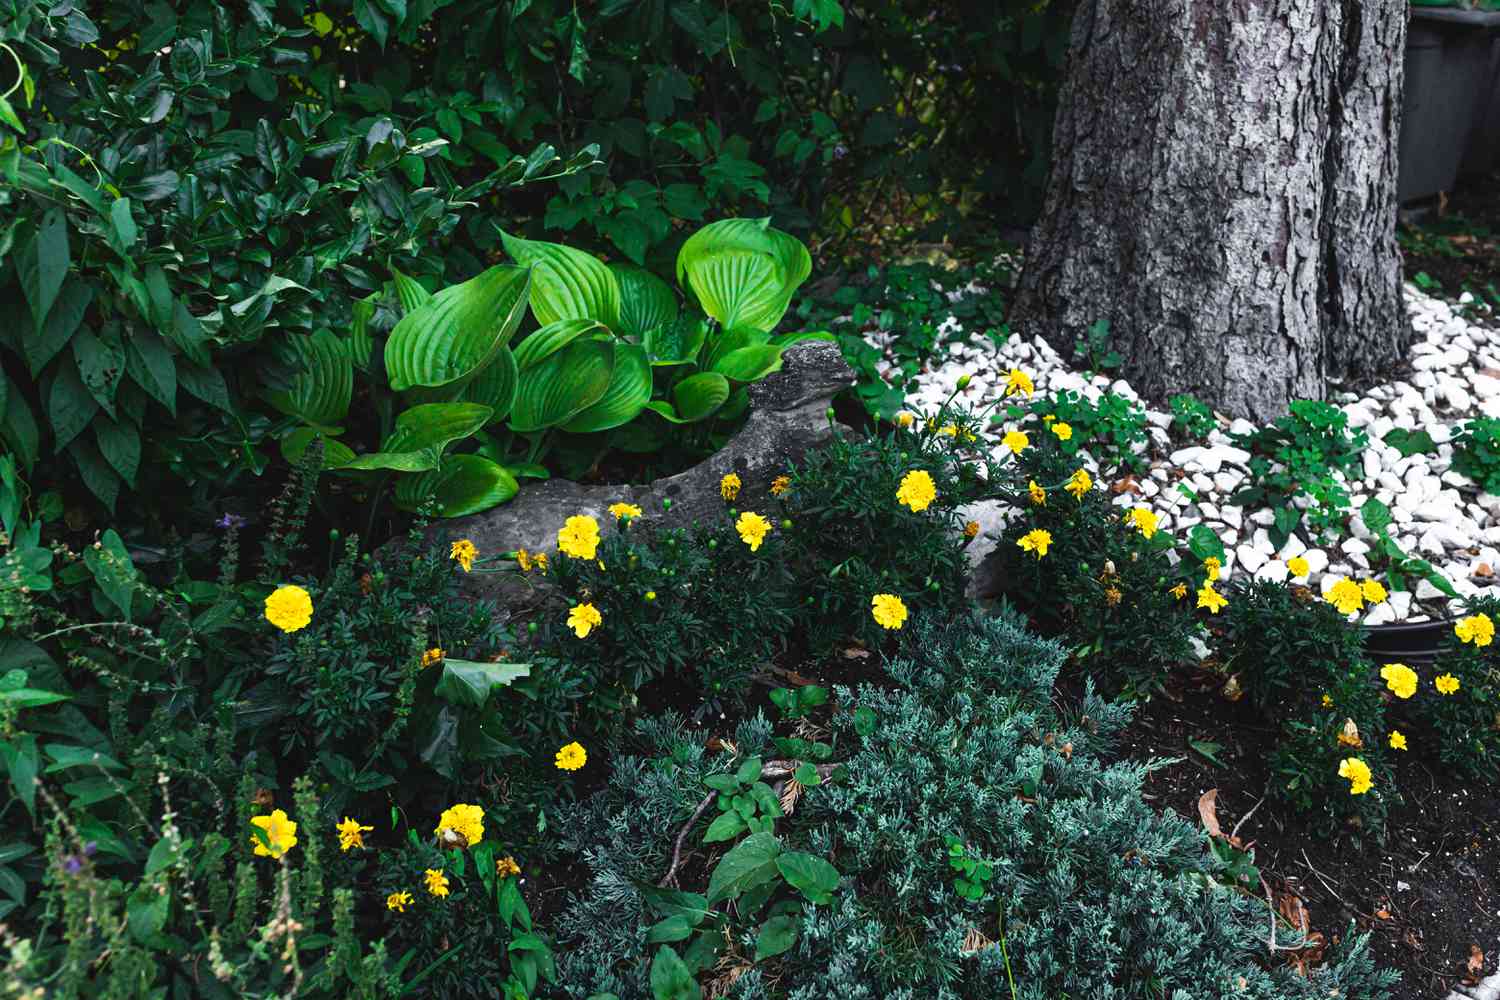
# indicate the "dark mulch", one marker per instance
pixel 1452 245
pixel 1427 892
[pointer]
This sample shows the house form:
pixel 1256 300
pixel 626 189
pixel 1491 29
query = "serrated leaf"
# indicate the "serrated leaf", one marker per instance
pixel 468 683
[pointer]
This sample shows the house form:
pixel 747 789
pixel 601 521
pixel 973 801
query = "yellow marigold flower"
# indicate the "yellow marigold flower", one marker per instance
pixel 1179 591
pixel 506 867
pixel 1297 566
pixel 1112 596
pixel 541 561
pixel 289 608
pixel 650 595
pixel 971 530
pixel 624 510
pixel 1398 741
pixel 1349 735
pixel 1080 483
pixel 1018 381
pixel 524 560
pixel 1358 773
pixel 1399 678
pixel 888 611
pixel 780 485
pixel 1036 541
pixel 1038 495
pixel 729 486
pixel 351 834
pixel 1372 591
pixel 1210 598
pixel 281 834
pixel 1327 700
pixel 752 528
pixel 433 655
pixel 1063 431
pixel 1446 683
pixel 1144 519
pixel 1211 566
pixel 571 757
pixel 948 430
pixel 1477 629
pixel 905 419
pixel 437 882
pixel 398 901
pixel 917 490
pixel 970 436
pixel 464 551
pixel 583 618
pixel 1016 441
pixel 463 821
pixel 579 536
pixel 1345 595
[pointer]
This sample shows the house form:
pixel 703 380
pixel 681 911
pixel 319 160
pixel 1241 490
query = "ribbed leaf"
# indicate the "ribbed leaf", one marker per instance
pixel 412 293
pixel 563 385
pixel 421 434
pixel 646 302
pixel 733 340
pixel 676 343
pixel 458 331
pixel 742 272
pixel 749 363
pixel 495 385
pixel 568 283
pixel 361 343
pixel 321 390
pixel 628 393
pixel 553 337
pixel 463 484
pixel 698 396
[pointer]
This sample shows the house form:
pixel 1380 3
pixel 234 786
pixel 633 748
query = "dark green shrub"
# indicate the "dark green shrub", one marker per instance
pixel 1091 892
pixel 1297 455
pixel 1113 428
pixel 1192 418
pixel 1465 722
pixel 1476 452
pixel 1280 642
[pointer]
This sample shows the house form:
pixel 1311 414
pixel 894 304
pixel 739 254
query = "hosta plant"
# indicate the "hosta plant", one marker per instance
pixel 474 410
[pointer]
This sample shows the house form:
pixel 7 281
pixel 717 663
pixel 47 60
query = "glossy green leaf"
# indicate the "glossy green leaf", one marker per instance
pixel 646 301
pixel 777 935
pixel 468 683
pixel 563 385
pixel 324 384
pixel 421 434
pixel 749 363
pixel 788 339
pixel 462 484
pixel 729 341
pixel 749 863
pixel 336 454
pixel 698 396
pixel 676 343
pixel 42 263
pixel 568 283
pixel 670 977
pixel 410 292
pixel 552 338
pixel 628 393
pixel 742 272
pixel 495 385
pixel 458 331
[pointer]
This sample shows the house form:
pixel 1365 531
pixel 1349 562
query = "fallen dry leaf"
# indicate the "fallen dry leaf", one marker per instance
pixel 1484 570
pixel 1295 911
pixel 856 653
pixel 1475 965
pixel 1383 913
pixel 1124 485
pixel 1232 689
pixel 1208 806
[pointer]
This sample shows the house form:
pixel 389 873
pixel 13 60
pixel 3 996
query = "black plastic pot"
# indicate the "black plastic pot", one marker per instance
pixel 1407 642
pixel 1448 62
pixel 1484 139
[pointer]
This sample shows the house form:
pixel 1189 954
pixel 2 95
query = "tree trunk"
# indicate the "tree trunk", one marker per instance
pixel 1223 192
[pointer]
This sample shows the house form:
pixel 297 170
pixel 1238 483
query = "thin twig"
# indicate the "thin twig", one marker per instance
pixel 1235 832
pixel 1272 908
pixel 1308 862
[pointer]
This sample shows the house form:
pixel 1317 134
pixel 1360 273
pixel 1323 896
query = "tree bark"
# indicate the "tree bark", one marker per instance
pixel 1223 192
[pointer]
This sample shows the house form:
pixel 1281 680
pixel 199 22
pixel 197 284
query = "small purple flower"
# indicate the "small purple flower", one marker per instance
pixel 840 151
pixel 73 864
pixel 229 521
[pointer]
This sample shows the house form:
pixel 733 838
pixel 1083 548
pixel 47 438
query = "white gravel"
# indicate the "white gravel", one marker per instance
pixel 1438 513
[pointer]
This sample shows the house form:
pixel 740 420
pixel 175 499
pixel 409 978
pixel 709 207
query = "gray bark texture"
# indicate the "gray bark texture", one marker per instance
pixel 1223 192
pixel 788 418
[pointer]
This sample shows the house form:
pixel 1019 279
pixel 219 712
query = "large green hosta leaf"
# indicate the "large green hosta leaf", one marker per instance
pixel 335 453
pixel 646 302
pixel 462 484
pixel 695 398
pixel 749 364
pixel 458 331
pixel 412 294
pixel 324 383
pixel 676 343
pixel 742 272
pixel 553 337
pixel 421 434
pixel 568 283
pixel 495 385
pixel 564 384
pixel 628 393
